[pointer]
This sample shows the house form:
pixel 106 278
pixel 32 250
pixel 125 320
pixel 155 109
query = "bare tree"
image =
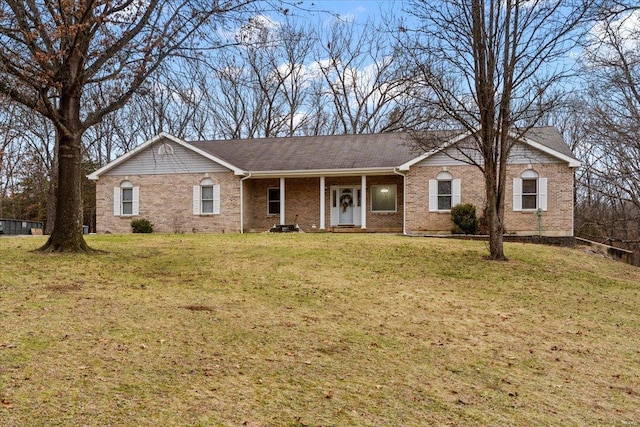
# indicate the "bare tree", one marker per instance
pixel 52 54
pixel 27 161
pixel 260 89
pixel 612 70
pixel 363 80
pixel 610 9
pixel 491 66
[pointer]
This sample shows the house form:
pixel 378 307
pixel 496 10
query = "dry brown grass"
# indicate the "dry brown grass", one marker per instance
pixel 315 330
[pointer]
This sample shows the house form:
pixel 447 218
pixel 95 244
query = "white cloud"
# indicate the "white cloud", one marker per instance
pixel 623 32
pixel 259 28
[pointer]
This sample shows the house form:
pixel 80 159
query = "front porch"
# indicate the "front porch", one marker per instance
pixel 335 204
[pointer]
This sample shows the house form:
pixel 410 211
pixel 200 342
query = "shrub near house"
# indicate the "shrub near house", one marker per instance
pixel 141 225
pixel 464 219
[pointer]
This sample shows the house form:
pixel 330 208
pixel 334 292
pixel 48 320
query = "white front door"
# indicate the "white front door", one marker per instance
pixel 346 200
pixel 345 205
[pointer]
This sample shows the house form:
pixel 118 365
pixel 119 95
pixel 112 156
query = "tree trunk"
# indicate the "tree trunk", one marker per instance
pixel 494 221
pixel 67 229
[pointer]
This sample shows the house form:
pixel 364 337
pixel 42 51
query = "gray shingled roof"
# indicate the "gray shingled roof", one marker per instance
pixel 314 152
pixel 551 138
pixel 386 150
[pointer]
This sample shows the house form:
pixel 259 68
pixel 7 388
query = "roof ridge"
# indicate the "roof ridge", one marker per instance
pixel 280 138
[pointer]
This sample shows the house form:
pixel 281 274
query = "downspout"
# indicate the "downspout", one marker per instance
pixel 242 202
pixel 404 199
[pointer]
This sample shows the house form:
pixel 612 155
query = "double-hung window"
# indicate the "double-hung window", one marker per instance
pixel 273 201
pixel 444 192
pixel 206 198
pixel 529 192
pixel 126 199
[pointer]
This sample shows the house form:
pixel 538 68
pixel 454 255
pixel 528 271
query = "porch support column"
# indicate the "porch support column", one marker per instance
pixel 363 202
pixel 282 201
pixel 322 203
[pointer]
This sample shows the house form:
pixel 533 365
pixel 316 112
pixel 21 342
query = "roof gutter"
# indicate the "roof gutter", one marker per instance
pixel 322 172
pixel 247 176
pixel 404 199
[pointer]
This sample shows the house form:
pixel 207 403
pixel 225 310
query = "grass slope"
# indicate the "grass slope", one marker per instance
pixel 315 330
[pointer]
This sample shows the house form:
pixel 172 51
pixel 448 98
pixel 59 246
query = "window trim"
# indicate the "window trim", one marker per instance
pixel 434 195
pixel 198 199
pixel 126 204
pixel 119 200
pixel 528 196
pixel 444 196
pixel 540 195
pixel 206 183
pixel 373 188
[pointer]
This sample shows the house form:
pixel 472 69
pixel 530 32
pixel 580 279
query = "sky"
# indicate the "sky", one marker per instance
pixel 358 9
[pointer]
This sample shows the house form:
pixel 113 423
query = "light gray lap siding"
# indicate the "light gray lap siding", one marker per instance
pixel 520 154
pixel 150 162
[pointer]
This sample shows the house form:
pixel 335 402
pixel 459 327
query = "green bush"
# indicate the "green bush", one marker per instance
pixel 142 225
pixel 464 219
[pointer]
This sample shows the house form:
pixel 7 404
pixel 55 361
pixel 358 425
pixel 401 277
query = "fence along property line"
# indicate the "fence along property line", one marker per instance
pixel 12 227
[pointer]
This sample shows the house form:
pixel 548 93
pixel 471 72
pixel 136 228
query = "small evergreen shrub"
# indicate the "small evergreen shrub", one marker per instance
pixel 142 225
pixel 464 219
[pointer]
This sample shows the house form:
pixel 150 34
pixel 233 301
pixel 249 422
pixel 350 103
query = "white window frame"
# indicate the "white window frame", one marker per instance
pixel 373 189
pixel 119 201
pixel 456 188
pixel 541 191
pixel 277 191
pixel 198 200
pixel 206 200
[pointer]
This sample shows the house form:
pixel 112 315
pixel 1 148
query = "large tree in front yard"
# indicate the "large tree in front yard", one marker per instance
pixel 493 68
pixel 75 61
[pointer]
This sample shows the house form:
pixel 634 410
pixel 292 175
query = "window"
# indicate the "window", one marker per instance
pixel 206 198
pixel 529 192
pixel 125 199
pixel 383 198
pixel 444 192
pixel 273 201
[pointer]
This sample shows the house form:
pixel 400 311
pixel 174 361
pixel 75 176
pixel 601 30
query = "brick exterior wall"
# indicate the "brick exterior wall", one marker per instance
pixel 556 221
pixel 167 201
pixel 302 198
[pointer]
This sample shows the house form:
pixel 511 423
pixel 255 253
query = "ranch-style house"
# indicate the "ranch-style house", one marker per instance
pixel 373 183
